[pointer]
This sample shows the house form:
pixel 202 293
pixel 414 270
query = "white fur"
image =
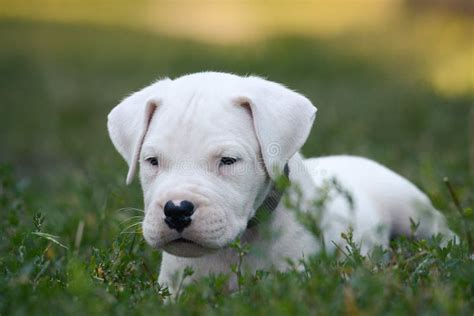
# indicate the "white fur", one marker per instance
pixel 191 122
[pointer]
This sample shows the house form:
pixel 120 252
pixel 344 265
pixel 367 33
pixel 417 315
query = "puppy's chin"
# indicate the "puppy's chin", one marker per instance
pixel 186 248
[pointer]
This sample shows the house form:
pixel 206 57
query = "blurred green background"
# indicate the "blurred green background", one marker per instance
pixel 393 81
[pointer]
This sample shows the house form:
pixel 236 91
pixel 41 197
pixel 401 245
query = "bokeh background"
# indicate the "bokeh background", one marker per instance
pixel 393 80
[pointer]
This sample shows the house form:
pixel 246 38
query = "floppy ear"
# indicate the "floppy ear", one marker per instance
pixel 128 124
pixel 282 119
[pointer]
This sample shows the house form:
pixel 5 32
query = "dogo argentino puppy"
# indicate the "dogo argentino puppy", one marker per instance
pixel 210 147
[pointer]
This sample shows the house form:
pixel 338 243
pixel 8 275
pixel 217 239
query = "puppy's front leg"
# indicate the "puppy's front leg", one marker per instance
pixel 174 275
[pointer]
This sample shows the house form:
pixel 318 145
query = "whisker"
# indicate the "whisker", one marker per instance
pixel 133 225
pixel 131 232
pixel 130 209
pixel 131 218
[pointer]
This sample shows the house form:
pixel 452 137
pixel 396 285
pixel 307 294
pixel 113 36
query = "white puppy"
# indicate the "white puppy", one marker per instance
pixel 210 146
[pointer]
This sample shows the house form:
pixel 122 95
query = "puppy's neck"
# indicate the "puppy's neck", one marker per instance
pixel 300 178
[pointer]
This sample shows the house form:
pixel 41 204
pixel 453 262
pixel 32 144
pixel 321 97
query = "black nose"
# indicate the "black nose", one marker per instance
pixel 178 216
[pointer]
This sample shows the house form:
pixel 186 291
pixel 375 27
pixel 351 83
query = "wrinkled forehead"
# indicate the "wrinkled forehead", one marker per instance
pixel 189 119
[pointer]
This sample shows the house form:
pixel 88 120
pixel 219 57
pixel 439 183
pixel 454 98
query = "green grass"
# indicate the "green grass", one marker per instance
pixel 60 173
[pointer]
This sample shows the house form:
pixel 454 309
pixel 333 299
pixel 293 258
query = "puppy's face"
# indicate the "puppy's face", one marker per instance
pixel 200 151
pixel 207 145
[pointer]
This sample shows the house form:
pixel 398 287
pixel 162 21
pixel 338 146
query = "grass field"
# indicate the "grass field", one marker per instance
pixel 64 242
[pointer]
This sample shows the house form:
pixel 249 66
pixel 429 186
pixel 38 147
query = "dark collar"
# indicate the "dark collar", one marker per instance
pixel 270 202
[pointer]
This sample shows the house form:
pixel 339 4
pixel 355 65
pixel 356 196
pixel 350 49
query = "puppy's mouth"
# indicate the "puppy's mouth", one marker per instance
pixel 183 240
pixel 183 247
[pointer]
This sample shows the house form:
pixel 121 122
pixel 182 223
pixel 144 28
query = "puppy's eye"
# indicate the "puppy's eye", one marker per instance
pixel 152 161
pixel 227 161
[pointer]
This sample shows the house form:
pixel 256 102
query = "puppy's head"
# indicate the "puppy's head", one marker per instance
pixel 207 146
